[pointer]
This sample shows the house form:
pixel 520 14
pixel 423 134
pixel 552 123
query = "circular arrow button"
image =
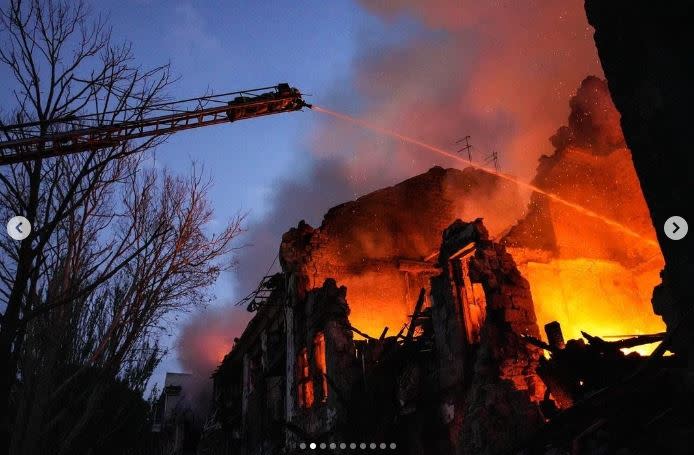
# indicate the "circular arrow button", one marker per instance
pixel 676 228
pixel 18 228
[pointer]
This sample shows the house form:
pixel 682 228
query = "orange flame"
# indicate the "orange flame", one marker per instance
pixel 596 293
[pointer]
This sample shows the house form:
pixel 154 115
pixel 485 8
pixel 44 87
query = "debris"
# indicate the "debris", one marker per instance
pixel 415 315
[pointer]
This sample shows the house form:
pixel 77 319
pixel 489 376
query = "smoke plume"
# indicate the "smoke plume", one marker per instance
pixel 594 121
pixel 501 72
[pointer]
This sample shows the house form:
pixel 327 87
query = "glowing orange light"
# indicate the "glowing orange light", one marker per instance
pixel 599 297
pixel 586 286
pixel 610 222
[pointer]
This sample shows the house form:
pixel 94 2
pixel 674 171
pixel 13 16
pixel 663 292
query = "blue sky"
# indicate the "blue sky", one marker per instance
pixel 433 70
pixel 224 46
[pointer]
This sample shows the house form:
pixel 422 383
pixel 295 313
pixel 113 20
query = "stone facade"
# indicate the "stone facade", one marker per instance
pixel 345 350
pixel 481 307
pixel 298 374
pixel 382 246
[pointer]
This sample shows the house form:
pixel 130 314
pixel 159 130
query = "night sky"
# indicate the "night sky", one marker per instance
pixel 437 70
pixel 225 46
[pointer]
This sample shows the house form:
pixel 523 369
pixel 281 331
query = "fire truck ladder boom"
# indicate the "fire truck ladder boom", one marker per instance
pixel 247 104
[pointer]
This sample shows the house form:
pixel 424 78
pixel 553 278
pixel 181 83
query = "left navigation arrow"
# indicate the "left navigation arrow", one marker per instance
pixel 18 228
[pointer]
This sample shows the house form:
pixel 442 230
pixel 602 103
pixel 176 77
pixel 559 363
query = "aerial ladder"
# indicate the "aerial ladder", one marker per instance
pixel 162 119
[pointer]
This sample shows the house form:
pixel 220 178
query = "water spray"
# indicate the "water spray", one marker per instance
pixel 410 140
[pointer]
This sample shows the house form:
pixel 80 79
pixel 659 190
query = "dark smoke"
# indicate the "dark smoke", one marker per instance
pixel 500 72
pixel 593 122
pixel 326 185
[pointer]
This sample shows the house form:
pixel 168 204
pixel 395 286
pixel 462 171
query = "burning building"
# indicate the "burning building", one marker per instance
pixel 303 372
pixel 582 270
pixel 395 322
pixel 342 309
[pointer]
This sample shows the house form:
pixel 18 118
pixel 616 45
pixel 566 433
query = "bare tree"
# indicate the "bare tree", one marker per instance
pixel 113 329
pixel 113 249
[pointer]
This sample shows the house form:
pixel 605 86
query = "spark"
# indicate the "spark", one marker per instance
pixel 577 207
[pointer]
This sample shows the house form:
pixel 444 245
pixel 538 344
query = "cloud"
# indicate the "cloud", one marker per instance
pixel 502 72
pixel 190 33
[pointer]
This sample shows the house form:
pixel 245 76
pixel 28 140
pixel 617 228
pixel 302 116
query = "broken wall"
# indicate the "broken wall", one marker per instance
pixel 380 246
pixel 583 270
pixel 486 371
pixel 320 367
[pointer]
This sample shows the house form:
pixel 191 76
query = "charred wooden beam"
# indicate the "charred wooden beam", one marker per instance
pixel 640 340
pixel 554 335
pixel 383 334
pixel 359 332
pixel 415 315
pixel 636 340
pixel 538 343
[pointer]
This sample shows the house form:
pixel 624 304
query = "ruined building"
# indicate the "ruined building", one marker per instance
pixel 400 339
pixel 396 323
pixel 576 262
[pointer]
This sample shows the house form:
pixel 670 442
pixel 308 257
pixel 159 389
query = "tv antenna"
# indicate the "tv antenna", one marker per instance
pixel 493 158
pixel 466 148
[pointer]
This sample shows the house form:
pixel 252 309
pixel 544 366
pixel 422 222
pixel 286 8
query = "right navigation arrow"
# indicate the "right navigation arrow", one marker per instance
pixel 675 228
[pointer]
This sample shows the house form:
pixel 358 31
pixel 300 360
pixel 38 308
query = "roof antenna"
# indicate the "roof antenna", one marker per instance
pixel 493 158
pixel 467 147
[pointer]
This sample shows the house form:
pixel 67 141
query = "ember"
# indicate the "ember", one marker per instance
pixel 396 324
pixel 554 197
pixel 584 273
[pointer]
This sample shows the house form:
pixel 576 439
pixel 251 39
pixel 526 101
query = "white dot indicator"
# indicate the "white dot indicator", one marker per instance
pixel 393 445
pixel 352 445
pixel 383 445
pixel 302 446
pixel 343 445
pixel 312 446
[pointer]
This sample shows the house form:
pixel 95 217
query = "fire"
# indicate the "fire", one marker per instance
pixel 213 348
pixel 374 305
pixel 597 296
pixel 599 274
pixel 449 154
pixel 586 243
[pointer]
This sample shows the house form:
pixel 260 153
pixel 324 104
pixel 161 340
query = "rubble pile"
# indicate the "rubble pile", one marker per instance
pixel 304 372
